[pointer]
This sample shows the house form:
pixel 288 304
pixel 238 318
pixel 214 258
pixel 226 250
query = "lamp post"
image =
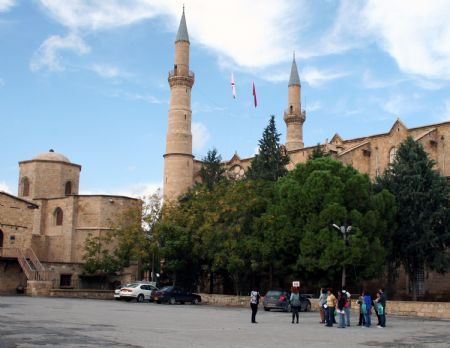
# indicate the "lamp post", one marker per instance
pixel 344 230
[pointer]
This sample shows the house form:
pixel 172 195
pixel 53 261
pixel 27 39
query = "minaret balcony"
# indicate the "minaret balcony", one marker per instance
pixel 185 80
pixel 290 117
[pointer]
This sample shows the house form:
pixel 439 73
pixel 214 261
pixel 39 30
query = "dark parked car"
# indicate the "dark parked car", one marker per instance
pixel 173 294
pixel 279 299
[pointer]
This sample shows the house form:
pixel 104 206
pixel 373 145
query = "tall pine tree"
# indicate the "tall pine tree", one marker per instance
pixel 422 239
pixel 212 169
pixel 270 163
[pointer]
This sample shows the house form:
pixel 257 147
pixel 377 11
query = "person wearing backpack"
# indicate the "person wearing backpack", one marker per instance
pixel 295 303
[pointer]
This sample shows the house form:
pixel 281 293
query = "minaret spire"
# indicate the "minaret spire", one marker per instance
pixel 294 116
pixel 182 34
pixel 178 159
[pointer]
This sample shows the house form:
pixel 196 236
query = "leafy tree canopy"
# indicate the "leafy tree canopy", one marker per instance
pixel 212 169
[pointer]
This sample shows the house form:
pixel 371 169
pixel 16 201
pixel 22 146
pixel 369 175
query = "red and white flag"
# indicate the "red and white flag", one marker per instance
pixel 233 87
pixel 254 95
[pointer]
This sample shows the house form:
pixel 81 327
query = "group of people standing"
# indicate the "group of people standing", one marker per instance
pixel 330 306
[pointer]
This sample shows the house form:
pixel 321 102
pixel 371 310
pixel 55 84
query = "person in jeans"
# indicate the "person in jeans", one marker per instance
pixel 342 300
pixel 254 302
pixel 331 305
pixel 360 302
pixel 322 301
pixel 295 303
pixel 368 308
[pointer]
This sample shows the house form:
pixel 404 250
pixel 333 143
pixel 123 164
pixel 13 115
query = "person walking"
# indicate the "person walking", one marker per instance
pixel 254 302
pixel 322 302
pixel 348 306
pixel 368 308
pixel 331 305
pixel 295 303
pixel 342 300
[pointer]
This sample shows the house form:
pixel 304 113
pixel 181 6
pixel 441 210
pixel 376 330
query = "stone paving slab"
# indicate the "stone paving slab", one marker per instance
pixel 56 322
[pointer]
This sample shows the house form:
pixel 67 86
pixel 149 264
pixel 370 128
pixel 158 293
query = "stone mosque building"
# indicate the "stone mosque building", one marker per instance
pixel 43 230
pixel 370 154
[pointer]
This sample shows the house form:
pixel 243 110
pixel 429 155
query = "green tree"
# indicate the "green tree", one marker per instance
pixel 318 152
pixel 313 197
pixel 128 240
pixel 422 237
pixel 270 163
pixel 212 169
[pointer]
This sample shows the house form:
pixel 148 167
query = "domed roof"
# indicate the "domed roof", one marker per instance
pixel 51 155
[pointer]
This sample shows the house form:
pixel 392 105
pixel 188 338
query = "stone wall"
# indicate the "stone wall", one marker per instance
pixel 440 310
pixel 11 277
pixel 80 293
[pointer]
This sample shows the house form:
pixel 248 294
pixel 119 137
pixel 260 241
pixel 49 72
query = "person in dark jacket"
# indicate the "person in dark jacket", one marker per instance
pixel 342 300
pixel 254 302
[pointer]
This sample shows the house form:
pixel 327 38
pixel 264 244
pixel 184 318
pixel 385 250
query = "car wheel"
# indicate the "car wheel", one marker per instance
pixel 140 298
pixel 159 301
pixel 195 301
pixel 172 300
pixel 267 309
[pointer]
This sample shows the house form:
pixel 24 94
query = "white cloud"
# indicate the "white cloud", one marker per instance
pixel 315 105
pixel 200 136
pixel 5 187
pixel 48 55
pixel 249 35
pixel 415 33
pixel 108 71
pixel 6 5
pixel 135 190
pixel 315 77
pixel 369 81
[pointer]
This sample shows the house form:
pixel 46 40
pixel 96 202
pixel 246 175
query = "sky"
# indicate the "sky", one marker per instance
pixel 89 78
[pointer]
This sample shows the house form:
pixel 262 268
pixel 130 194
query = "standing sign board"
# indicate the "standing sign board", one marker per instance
pixel 296 284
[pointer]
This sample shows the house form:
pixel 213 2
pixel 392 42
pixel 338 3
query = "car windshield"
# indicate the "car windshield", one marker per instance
pixel 132 285
pixel 167 288
pixel 274 293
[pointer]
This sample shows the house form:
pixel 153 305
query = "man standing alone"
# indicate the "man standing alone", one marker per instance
pixel 254 302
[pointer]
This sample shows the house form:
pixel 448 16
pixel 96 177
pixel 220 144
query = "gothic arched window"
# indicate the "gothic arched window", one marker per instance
pixel 68 188
pixel 25 187
pixel 58 216
pixel 392 154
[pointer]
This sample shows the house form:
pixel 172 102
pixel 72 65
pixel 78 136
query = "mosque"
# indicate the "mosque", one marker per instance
pixel 370 154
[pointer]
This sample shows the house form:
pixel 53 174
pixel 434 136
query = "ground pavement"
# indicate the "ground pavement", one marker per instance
pixel 56 322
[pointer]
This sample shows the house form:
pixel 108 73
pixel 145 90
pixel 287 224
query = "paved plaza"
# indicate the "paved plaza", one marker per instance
pixel 56 322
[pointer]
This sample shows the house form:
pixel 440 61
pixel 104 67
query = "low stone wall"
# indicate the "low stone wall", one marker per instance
pixel 38 287
pixel 440 310
pixel 83 293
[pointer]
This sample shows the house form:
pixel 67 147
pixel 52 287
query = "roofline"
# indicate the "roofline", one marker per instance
pixel 93 195
pixel 50 161
pixel 20 199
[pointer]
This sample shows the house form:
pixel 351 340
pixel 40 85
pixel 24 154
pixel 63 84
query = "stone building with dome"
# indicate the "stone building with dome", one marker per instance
pixel 44 228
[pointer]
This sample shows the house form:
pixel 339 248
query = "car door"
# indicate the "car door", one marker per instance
pixel 146 291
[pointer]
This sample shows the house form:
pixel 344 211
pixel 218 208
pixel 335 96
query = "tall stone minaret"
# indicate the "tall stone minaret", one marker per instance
pixel 178 159
pixel 294 116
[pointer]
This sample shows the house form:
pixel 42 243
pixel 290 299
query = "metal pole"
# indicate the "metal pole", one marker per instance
pixel 343 266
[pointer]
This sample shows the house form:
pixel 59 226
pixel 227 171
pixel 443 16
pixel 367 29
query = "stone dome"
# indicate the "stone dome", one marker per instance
pixel 51 155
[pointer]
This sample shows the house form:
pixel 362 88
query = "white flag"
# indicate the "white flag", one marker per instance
pixel 233 87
